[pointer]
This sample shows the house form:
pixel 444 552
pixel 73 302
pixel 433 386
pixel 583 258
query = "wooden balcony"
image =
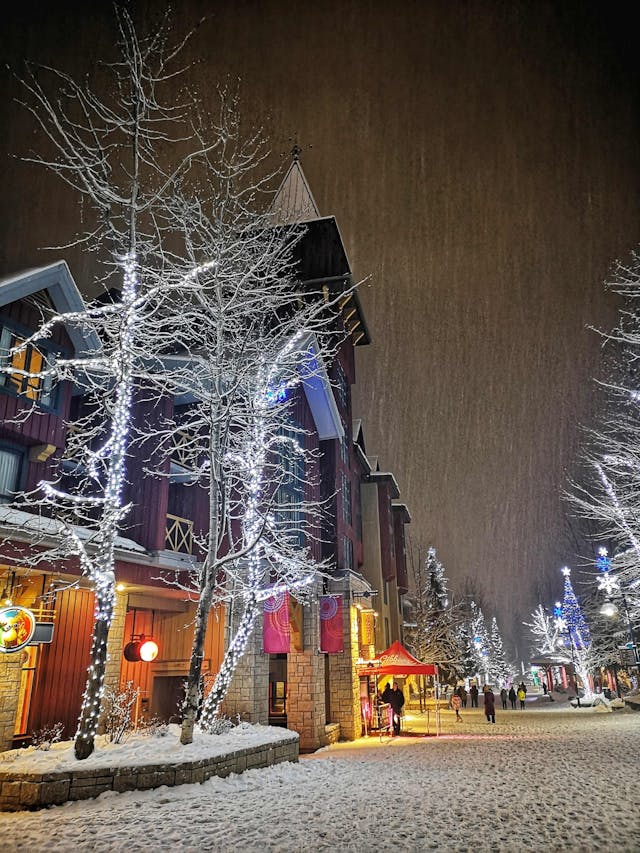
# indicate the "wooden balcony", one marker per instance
pixel 179 534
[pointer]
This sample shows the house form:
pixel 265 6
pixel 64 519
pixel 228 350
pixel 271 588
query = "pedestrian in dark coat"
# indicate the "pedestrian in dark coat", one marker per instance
pixel 512 698
pixel 463 696
pixel 474 695
pixel 503 696
pixel 489 705
pixel 396 700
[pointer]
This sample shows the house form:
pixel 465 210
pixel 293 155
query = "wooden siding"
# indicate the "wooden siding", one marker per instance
pixel 148 495
pixel 174 635
pixel 61 667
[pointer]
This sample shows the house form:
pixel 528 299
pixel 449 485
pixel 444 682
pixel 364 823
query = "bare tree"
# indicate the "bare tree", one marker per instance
pixel 208 306
pixel 544 632
pixel 608 495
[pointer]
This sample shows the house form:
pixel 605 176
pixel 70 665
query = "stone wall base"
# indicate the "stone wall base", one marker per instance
pixel 38 790
pixel 332 733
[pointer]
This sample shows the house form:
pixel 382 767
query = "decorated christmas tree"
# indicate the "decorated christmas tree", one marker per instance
pixel 576 624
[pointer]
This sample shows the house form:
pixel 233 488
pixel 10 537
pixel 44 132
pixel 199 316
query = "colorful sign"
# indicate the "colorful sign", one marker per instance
pixel 17 627
pixel 276 630
pixel 331 629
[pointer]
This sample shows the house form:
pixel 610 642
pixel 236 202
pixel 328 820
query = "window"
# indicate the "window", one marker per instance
pixel 345 493
pixel 10 472
pixel 290 497
pixel 344 446
pixel 342 387
pixel 29 359
pixel 347 554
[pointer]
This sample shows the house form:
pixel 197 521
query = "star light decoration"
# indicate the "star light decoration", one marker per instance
pixel 606 581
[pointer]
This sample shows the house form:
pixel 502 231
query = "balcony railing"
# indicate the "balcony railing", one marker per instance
pixel 183 452
pixel 179 534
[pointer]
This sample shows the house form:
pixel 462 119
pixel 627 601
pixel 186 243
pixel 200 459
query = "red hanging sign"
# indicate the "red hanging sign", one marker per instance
pixel 331 633
pixel 276 632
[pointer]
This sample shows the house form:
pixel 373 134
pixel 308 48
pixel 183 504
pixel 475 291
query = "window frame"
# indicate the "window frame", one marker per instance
pixel 20 452
pixel 47 392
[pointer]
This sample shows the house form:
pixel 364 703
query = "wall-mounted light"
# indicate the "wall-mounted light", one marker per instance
pixel 141 649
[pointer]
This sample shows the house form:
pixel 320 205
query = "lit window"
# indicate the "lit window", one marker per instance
pixel 30 360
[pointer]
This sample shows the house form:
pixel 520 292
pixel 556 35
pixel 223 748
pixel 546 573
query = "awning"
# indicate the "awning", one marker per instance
pixel 396 660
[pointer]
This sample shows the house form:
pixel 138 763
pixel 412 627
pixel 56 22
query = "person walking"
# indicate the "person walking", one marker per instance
pixel 456 703
pixel 489 705
pixel 512 697
pixel 522 695
pixel 474 695
pixel 503 696
pixel 462 693
pixel 396 700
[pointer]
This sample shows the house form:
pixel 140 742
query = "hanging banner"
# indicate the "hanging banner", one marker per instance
pixel 17 627
pixel 276 631
pixel 331 633
pixel 296 616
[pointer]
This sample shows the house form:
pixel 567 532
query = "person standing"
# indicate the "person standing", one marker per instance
pixel 396 700
pixel 503 696
pixel 456 703
pixel 489 705
pixel 462 693
pixel 522 695
pixel 474 695
pixel 512 697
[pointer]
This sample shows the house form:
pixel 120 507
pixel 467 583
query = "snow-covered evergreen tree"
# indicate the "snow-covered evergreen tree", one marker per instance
pixel 436 636
pixel 499 668
pixel 481 647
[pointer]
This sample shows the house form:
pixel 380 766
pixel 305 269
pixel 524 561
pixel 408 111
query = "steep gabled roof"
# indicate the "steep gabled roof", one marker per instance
pixel 294 201
pixel 57 281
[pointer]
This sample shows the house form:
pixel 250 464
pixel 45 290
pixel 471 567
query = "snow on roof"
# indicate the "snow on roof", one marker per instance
pixel 29 522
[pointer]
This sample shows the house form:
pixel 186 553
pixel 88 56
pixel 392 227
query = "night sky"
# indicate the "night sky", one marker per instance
pixel 482 161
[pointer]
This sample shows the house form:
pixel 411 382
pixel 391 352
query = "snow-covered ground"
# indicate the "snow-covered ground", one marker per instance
pixel 546 778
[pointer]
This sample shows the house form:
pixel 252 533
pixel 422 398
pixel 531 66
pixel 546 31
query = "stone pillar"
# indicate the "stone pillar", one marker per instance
pixel 248 694
pixel 343 677
pixel 115 643
pixel 10 675
pixel 306 712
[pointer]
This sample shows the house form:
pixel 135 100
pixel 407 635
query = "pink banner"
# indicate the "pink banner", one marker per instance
pixel 276 632
pixel 331 634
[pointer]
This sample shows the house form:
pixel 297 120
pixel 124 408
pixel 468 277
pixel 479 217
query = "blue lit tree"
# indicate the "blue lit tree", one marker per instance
pixel 576 624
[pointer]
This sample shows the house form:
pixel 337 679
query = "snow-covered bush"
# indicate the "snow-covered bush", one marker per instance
pixel 45 737
pixel 118 706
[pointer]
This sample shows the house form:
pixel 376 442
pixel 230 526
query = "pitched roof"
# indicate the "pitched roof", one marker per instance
pixel 294 201
pixel 57 280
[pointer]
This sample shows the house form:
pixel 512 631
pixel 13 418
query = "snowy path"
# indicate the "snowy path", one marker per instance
pixel 548 780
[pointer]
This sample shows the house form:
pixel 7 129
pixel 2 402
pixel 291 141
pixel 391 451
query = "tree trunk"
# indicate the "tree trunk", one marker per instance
pixel 89 715
pixel 231 659
pixel 192 697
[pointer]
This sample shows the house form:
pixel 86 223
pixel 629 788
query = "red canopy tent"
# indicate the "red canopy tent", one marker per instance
pixel 396 660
